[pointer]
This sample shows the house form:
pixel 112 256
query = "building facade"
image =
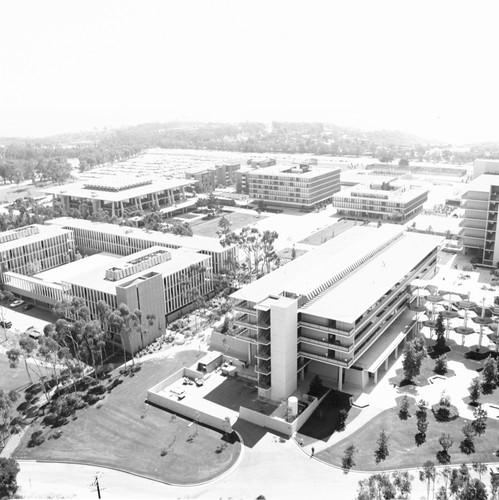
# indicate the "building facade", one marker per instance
pixel 125 240
pixel 294 186
pixel 385 201
pixel 122 197
pixel 338 311
pixel 32 249
pixel 479 224
pixel 209 178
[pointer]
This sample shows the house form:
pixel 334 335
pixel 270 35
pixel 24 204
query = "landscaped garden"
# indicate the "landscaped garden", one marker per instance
pixel 237 221
pixel 116 428
pixel 402 447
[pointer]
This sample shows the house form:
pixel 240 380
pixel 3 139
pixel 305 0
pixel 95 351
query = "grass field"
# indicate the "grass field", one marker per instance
pixel 329 232
pixel 403 451
pixel 237 220
pixel 128 434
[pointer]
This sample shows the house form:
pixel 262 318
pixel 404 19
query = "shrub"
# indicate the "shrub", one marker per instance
pixel 342 417
pixel 316 387
pixel 444 411
pixel 404 408
pixel 441 365
pixel 36 439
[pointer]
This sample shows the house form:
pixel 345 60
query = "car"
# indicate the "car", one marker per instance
pixel 16 303
pixel 27 306
pixel 5 324
pixel 33 332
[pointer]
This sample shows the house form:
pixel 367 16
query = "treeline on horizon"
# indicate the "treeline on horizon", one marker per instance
pixel 45 159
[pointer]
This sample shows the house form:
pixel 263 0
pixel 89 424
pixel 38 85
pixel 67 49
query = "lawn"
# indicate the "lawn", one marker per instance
pixel 17 378
pixel 237 220
pixel 324 421
pixel 329 232
pixel 402 447
pixel 124 432
pixel 427 370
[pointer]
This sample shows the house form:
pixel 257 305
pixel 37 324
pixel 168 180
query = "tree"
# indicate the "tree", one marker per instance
pixel 342 418
pixel 376 487
pixel 382 451
pixel 480 422
pixel 403 483
pixel 440 344
pixel 428 474
pixel 441 365
pixel 9 469
pixel 473 489
pixel 404 408
pixel 467 445
pixel 480 468
pixel 422 416
pixel 347 462
pixel 223 227
pixel 316 387
pixel 489 375
pixel 474 391
pixel 7 400
pixel 411 362
pixel 446 442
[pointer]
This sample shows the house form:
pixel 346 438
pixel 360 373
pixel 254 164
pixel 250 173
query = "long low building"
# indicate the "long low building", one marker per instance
pixel 333 311
pixel 121 196
pixel 385 200
pixel 124 240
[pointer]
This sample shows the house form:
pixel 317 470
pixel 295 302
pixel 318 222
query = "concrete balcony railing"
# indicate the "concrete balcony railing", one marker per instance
pixel 263 367
pixel 325 359
pixel 244 307
pixel 326 329
pixel 245 321
pixel 263 382
pixel 263 337
pixel 263 352
pixel 325 343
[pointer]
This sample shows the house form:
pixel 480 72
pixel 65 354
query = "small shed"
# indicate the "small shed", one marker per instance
pixel 210 362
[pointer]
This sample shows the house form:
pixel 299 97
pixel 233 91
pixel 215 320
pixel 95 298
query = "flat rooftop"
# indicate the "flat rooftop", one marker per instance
pixel 402 192
pixel 96 190
pixel 43 233
pixel 311 271
pixel 352 177
pixel 483 183
pixel 77 272
pixel 362 288
pixel 292 170
pixel 194 242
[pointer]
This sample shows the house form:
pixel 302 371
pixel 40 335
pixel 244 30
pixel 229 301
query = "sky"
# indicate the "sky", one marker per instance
pixel 424 67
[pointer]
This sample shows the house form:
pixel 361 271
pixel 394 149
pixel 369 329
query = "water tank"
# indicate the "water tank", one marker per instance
pixel 293 405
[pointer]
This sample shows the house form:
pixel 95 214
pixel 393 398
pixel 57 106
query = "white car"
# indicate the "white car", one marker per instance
pixel 16 303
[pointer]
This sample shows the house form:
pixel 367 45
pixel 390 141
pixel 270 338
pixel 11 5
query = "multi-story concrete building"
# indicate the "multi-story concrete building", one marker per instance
pixel 35 248
pixel 479 225
pixel 395 201
pixel 119 197
pixel 124 240
pixel 295 186
pixel 338 311
pixel 485 166
pixel 209 178
pixel 155 281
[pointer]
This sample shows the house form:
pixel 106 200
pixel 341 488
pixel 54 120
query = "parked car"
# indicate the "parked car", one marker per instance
pixel 28 306
pixel 5 324
pixel 33 332
pixel 16 303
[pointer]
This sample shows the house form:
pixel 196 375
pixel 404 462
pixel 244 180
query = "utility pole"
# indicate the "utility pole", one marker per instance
pixel 96 484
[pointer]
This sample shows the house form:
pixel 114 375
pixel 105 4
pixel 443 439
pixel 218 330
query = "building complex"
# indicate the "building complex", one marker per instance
pixel 385 200
pixel 291 185
pixel 209 178
pixel 338 311
pixel 118 197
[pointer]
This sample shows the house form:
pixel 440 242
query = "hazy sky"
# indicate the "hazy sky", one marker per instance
pixel 429 67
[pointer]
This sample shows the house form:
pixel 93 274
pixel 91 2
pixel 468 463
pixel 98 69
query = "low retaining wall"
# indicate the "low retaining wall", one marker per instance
pixel 186 411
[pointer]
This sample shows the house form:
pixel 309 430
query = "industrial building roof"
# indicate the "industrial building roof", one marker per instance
pixel 291 170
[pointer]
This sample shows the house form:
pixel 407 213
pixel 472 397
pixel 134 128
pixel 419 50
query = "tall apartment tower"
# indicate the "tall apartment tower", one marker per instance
pixel 481 206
